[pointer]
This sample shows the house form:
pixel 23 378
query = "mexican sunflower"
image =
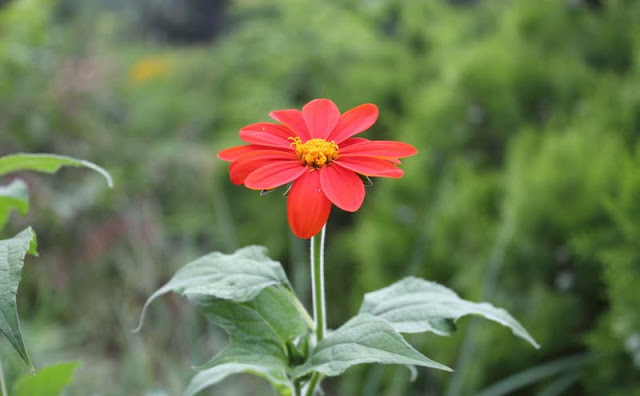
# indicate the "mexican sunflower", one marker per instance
pixel 315 149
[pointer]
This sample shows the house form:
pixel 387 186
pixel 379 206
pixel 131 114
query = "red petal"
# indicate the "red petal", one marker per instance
pixel 370 166
pixel 293 119
pixel 307 207
pixel 380 148
pixel 233 153
pixel 249 162
pixel 351 141
pixel 267 134
pixel 274 175
pixel 343 187
pixel 321 115
pixel 354 121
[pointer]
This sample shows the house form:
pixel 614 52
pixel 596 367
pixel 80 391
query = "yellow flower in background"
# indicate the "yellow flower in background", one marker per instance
pixel 148 68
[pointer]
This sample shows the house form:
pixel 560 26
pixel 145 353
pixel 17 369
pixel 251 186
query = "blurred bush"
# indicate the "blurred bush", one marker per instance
pixel 525 192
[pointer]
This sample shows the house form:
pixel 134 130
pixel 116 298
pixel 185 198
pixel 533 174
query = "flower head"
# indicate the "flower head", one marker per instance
pixel 315 149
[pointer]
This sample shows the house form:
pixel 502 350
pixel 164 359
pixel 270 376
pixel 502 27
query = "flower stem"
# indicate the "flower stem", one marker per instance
pixel 315 379
pixel 317 283
pixel 296 389
pixel 3 385
pixel 319 306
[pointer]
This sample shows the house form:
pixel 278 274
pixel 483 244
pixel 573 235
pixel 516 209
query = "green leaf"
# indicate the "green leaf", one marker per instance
pixel 237 277
pixel 49 163
pixel 249 356
pixel 15 195
pixel 260 331
pixel 50 381
pixel 216 374
pixel 257 351
pixel 272 315
pixel 249 296
pixel 363 339
pixel 415 305
pixel 12 253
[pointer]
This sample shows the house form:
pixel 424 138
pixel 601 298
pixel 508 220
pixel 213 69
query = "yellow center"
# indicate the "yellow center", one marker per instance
pixel 315 152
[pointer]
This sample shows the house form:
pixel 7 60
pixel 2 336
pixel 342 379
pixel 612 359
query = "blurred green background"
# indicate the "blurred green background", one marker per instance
pixel 526 191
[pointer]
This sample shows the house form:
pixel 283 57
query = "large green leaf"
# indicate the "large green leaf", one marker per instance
pixel 12 253
pixel 238 277
pixel 363 339
pixel 15 195
pixel 248 295
pixel 50 381
pixel 262 333
pixel 49 163
pixel 415 305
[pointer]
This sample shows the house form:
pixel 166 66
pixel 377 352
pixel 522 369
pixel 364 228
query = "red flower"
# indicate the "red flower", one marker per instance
pixel 315 150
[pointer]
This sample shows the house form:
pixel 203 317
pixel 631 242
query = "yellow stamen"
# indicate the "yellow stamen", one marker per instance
pixel 315 152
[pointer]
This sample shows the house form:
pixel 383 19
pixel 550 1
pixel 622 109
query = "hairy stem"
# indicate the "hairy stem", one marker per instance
pixel 315 380
pixel 296 389
pixel 319 306
pixel 317 284
pixel 3 385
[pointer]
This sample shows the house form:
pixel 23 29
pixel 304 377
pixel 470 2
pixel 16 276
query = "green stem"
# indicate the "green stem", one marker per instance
pixel 319 306
pixel 317 283
pixel 3 385
pixel 315 379
pixel 296 389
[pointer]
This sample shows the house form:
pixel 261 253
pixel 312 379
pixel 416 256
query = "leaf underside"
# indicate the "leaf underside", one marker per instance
pixel 48 163
pixel 415 305
pixel 239 277
pixel 212 376
pixel 363 339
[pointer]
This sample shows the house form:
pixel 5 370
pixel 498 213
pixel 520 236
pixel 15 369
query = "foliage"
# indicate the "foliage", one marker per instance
pixel 414 305
pixel 14 250
pixel 248 295
pixel 53 379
